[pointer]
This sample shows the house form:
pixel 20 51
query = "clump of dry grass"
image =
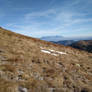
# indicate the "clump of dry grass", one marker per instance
pixel 8 86
pixel 8 68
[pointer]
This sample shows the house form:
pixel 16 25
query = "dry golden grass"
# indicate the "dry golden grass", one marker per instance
pixel 8 86
pixel 21 56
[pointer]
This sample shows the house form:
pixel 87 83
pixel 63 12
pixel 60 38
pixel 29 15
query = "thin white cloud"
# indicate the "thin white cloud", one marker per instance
pixel 2 14
pixel 70 18
pixel 39 14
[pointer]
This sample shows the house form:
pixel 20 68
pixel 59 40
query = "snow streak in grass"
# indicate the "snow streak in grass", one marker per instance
pixel 52 52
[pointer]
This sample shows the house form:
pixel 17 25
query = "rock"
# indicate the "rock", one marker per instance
pixel 78 65
pixel 21 89
pixel 1 50
pixel 2 58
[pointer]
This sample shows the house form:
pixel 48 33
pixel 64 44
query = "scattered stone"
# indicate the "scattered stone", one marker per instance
pixel 78 65
pixel 40 78
pixel 2 58
pixel 1 50
pixel 21 89
pixel 19 77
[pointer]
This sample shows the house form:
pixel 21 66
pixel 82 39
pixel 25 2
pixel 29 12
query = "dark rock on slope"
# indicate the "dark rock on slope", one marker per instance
pixel 64 42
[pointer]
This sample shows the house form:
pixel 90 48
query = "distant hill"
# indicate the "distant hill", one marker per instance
pixel 83 45
pixel 64 42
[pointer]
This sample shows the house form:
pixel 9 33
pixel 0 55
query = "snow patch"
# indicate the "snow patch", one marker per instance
pixel 60 52
pixel 45 51
pixel 57 52
pixel 52 52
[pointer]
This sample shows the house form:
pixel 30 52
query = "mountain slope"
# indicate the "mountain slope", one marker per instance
pixel 83 45
pixel 31 65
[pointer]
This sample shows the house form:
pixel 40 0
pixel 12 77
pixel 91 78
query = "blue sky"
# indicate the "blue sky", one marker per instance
pixel 39 18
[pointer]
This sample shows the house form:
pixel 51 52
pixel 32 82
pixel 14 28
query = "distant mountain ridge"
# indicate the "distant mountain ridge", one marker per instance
pixel 64 42
pixel 51 38
pixel 62 38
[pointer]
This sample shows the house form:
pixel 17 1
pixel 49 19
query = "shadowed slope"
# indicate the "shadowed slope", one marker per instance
pixel 83 45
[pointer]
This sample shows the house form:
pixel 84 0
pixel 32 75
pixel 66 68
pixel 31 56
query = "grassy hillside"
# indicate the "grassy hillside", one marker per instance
pixel 31 65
